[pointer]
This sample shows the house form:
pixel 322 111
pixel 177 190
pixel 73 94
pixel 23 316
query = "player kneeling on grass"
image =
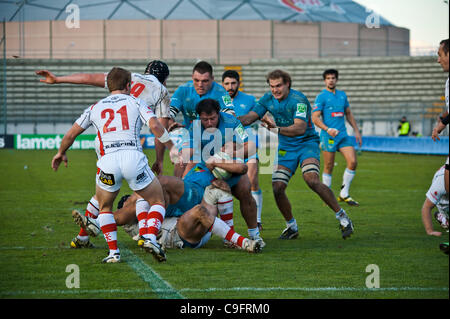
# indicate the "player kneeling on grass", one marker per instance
pixel 118 119
pixel 436 196
pixel 191 216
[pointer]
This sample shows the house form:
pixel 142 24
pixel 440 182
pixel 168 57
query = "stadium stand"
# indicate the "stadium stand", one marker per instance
pixel 379 88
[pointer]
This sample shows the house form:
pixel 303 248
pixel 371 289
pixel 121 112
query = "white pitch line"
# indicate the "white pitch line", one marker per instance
pixel 161 287
pixel 207 290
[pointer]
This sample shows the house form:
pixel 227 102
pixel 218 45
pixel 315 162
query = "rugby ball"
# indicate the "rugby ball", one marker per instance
pixel 218 172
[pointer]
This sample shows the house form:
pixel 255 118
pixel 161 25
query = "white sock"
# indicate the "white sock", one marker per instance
pixel 342 217
pixel 346 182
pixel 142 209
pixel 155 218
pixel 109 228
pixel 258 199
pixel 326 179
pixel 221 229
pixel 225 208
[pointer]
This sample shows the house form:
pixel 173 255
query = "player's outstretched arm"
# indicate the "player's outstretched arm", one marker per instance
pixel 426 218
pixel 248 118
pixel 94 79
pixel 66 142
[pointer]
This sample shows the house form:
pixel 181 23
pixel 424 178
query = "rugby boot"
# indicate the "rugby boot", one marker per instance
pixel 90 225
pixel 112 258
pixel 346 227
pixel 155 249
pixel 350 201
pixel 77 243
pixel 289 233
pixel 444 247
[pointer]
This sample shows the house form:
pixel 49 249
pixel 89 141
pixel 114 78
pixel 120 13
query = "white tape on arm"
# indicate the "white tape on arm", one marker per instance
pixel 165 137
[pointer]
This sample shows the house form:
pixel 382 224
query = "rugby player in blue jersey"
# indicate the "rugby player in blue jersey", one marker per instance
pixel 298 144
pixel 332 105
pixel 243 103
pixel 202 86
pixel 186 97
pixel 209 135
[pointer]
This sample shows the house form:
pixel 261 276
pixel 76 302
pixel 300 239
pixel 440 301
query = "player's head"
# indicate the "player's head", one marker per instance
pixel 202 77
pixel 230 81
pixel 330 77
pixel 443 55
pixel 159 69
pixel 208 111
pixel 280 84
pixel 118 79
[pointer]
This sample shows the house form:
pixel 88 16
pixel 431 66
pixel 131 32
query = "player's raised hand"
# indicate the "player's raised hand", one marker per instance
pixel 49 77
pixel 57 159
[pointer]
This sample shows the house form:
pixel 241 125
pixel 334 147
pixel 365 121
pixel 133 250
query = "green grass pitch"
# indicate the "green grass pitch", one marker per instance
pixel 36 229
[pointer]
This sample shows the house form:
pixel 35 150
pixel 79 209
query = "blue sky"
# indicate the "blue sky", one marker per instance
pixel 427 20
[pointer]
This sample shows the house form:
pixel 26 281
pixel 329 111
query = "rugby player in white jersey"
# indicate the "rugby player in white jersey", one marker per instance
pixel 150 87
pixel 118 119
pixel 436 196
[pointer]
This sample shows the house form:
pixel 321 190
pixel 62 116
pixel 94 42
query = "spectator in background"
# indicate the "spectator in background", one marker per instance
pixel 404 127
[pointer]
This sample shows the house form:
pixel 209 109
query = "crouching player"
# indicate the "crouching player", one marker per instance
pixel 436 196
pixel 191 215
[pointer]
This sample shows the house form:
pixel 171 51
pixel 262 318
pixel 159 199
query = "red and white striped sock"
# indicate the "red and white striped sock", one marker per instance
pixel 91 211
pixel 225 208
pixel 155 218
pixel 109 228
pixel 221 229
pixel 142 208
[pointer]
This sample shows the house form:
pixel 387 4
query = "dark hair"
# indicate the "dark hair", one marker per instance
pixel 159 69
pixel 203 67
pixel 444 44
pixel 230 74
pixel 276 74
pixel 118 79
pixel 330 71
pixel 207 106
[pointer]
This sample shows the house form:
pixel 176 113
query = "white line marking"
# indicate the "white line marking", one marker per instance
pixel 207 290
pixel 161 287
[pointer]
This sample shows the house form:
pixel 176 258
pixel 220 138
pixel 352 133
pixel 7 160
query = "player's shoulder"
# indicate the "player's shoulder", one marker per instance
pixel 246 96
pixel 323 93
pixel 341 93
pixel 298 96
pixel 267 97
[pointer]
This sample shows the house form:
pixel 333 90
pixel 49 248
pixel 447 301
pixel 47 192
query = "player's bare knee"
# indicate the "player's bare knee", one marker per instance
pixel 352 164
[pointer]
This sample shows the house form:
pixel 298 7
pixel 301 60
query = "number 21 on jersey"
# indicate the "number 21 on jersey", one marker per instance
pixel 110 114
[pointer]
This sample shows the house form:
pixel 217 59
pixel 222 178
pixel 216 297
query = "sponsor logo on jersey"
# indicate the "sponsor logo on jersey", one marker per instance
pixel 107 179
pixel 337 114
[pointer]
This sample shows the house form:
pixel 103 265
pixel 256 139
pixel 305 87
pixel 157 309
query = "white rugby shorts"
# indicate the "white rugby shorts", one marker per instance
pixel 131 165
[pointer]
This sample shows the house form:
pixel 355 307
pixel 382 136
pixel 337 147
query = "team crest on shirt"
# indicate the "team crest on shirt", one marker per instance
pixel 241 132
pixel 227 100
pixel 107 179
pixel 301 110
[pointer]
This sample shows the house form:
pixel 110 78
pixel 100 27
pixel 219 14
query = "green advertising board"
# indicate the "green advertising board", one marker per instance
pixel 51 142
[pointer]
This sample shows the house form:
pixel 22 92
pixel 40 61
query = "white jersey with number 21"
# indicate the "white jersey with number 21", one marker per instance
pixel 118 119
